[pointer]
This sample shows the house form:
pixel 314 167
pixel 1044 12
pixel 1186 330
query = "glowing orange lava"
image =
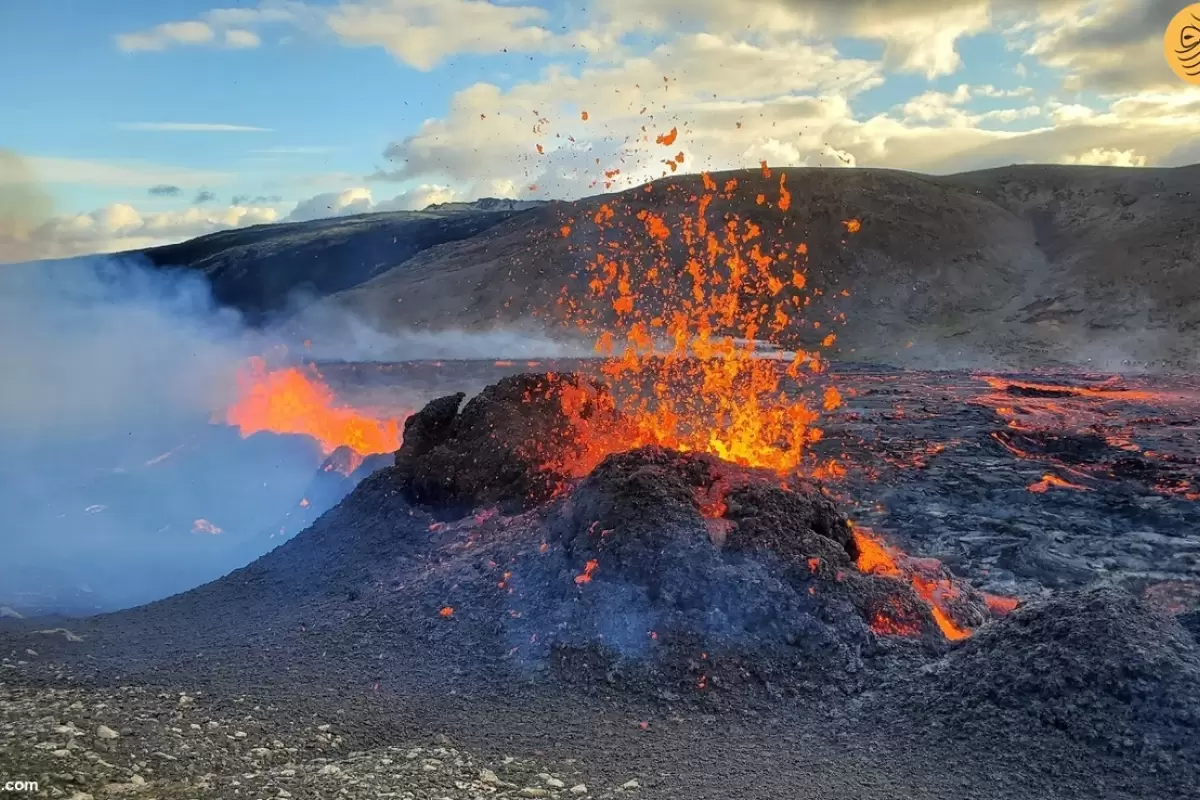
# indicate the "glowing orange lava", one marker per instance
pixel 1053 481
pixel 687 357
pixel 292 400
pixel 999 605
pixel 894 620
pixel 876 558
pixel 586 575
pixel 873 556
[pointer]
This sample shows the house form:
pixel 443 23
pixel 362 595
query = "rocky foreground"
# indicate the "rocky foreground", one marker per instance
pixel 135 741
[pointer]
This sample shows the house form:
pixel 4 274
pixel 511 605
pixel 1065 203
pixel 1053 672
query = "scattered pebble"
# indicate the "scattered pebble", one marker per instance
pixel 158 745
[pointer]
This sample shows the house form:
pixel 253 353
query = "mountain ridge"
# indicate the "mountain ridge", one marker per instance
pixel 1016 266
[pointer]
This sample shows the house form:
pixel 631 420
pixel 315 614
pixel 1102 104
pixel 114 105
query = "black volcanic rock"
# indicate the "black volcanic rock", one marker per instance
pixel 1098 663
pixel 429 427
pixel 261 268
pixel 705 540
pixel 512 445
pixel 633 505
pixel 668 570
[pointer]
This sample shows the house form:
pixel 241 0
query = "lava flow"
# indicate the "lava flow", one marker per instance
pixel 1049 481
pixel 292 400
pixel 927 580
pixel 686 358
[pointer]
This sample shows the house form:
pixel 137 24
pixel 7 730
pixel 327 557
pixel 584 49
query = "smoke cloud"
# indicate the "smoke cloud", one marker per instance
pixel 344 336
pixel 119 480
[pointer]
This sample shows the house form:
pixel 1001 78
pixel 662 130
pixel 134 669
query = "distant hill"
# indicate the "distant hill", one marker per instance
pixel 487 204
pixel 1019 265
pixel 257 269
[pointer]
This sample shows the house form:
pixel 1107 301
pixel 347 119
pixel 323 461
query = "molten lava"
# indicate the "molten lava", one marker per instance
pixel 586 575
pixel 292 400
pixel 876 558
pixel 687 357
pixel 1053 481
pixel 894 620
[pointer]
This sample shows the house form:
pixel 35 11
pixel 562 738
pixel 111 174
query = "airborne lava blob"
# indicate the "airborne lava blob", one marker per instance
pixel 292 400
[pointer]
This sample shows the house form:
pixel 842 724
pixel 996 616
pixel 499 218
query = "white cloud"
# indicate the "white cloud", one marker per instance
pixel 198 127
pixel 1111 46
pixel 358 200
pixel 921 38
pixel 332 204
pixel 741 82
pixel 223 27
pixel 238 38
pixel 1107 157
pixel 488 143
pixel 160 37
pixel 735 103
pixel 121 226
pixel 421 33
pixel 918 35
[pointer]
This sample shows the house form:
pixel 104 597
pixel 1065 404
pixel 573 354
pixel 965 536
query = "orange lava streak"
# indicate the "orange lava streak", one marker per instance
pixel 873 556
pixel 295 401
pixel 1053 481
pixel 947 626
pixel 999 605
pixel 876 558
pixel 586 575
pixel 1099 392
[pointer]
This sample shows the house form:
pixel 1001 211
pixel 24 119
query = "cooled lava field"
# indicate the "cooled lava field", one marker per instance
pixel 975 585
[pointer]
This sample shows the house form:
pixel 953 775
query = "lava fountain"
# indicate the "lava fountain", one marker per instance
pixel 680 307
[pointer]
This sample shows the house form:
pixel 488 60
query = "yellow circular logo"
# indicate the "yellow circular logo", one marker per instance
pixel 1181 44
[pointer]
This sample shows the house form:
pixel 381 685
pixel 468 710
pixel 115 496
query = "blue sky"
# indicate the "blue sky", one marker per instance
pixel 271 104
pixel 327 109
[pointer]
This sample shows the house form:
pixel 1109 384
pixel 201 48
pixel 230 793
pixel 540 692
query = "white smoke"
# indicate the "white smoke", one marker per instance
pixel 116 378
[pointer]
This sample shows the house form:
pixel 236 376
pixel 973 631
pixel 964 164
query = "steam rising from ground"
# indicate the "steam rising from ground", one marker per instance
pixel 100 343
pixel 112 437
pixel 342 335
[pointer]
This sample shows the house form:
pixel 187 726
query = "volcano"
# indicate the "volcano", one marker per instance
pixel 710 547
pixel 521 547
pixel 516 532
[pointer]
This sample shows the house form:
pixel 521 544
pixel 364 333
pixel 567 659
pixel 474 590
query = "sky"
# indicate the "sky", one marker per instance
pixel 129 123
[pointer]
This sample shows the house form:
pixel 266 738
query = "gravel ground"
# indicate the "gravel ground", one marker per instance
pixel 136 741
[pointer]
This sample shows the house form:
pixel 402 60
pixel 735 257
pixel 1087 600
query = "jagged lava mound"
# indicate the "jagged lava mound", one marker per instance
pixel 521 534
pixel 648 563
pixel 1098 664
